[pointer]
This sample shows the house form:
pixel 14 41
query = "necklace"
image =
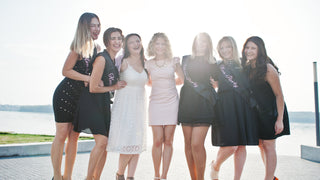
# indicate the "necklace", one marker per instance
pixel 160 66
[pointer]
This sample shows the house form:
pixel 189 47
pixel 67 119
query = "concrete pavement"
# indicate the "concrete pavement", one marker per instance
pixel 39 167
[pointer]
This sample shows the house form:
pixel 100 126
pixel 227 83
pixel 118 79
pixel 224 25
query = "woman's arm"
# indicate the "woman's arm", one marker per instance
pixel 68 71
pixel 179 72
pixel 272 77
pixel 97 72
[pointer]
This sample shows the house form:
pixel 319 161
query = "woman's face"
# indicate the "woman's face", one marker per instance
pixel 115 42
pixel 226 50
pixel 134 45
pixel 159 47
pixel 94 28
pixel 251 51
pixel 201 46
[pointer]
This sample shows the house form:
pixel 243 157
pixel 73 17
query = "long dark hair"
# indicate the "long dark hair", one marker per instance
pixel 261 62
pixel 126 49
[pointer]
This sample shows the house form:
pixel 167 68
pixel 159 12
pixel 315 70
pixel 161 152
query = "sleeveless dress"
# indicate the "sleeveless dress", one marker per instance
pixel 164 99
pixel 236 122
pixel 196 108
pixel 268 114
pixel 67 93
pixel 93 112
pixel 128 115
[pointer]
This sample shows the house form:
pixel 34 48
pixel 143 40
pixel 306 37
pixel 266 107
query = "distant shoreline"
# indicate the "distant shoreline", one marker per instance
pixel 27 108
pixel 297 116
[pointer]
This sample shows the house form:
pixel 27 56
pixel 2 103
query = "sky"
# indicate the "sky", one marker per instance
pixel 35 37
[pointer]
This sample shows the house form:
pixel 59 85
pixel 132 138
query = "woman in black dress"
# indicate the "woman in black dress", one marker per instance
pixel 66 95
pixel 273 116
pixel 236 125
pixel 93 113
pixel 196 105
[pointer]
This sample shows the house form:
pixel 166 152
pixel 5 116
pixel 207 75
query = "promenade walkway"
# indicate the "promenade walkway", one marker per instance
pixel 39 167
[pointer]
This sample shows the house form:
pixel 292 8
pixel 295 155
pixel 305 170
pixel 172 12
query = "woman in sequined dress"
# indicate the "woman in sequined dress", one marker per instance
pixel 66 95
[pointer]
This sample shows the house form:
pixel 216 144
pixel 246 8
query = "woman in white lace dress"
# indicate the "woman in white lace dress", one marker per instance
pixel 128 117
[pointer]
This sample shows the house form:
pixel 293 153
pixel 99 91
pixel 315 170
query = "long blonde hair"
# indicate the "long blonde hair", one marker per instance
pixel 82 42
pixel 155 37
pixel 235 53
pixel 209 52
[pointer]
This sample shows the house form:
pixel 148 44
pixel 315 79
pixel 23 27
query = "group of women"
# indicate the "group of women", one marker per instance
pixel 247 109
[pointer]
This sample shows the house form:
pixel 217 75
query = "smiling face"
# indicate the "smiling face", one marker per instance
pixel 201 46
pixel 94 28
pixel 160 47
pixel 226 50
pixel 251 51
pixel 134 45
pixel 115 42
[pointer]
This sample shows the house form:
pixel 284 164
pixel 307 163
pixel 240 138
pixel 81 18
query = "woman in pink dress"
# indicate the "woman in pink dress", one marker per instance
pixel 164 100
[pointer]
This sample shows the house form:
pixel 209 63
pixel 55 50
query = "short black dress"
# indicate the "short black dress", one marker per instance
pixel 93 112
pixel 66 95
pixel 236 123
pixel 268 112
pixel 197 97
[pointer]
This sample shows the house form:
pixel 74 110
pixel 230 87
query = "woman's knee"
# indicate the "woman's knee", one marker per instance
pixel 196 146
pixel 268 146
pixel 157 141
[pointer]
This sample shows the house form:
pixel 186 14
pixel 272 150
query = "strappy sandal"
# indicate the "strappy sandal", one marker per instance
pixel 130 178
pixel 119 177
pixel 156 178
pixel 214 175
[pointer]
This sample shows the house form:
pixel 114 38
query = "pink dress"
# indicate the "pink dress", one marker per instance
pixel 164 99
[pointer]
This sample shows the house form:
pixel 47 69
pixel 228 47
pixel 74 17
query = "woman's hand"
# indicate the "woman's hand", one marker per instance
pixel 278 127
pixel 101 84
pixel 120 85
pixel 213 83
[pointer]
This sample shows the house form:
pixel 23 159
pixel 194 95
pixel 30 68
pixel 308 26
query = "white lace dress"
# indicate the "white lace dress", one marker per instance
pixel 128 126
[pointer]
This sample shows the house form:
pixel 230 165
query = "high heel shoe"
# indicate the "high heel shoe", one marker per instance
pixel 275 178
pixel 214 175
pixel 119 177
pixel 130 178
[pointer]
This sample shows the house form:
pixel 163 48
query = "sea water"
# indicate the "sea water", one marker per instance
pixel 43 123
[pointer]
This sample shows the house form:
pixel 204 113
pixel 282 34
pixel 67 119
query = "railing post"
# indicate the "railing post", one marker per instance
pixel 316 102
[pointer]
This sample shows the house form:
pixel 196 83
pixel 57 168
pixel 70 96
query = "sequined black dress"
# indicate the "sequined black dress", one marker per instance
pixel 66 95
pixel 93 112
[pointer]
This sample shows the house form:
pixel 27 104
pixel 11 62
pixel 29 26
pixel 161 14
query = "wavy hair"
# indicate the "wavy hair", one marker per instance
pixel 209 52
pixel 126 49
pixel 235 52
pixel 261 62
pixel 155 37
pixel 82 42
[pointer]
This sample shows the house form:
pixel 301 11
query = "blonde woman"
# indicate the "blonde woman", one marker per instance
pixel 197 101
pixel 235 126
pixel 164 100
pixel 66 95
